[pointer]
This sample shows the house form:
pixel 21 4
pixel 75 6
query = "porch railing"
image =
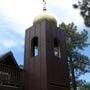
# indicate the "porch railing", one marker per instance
pixel 10 75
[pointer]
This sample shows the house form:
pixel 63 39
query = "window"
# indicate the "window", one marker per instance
pixel 34 46
pixel 57 48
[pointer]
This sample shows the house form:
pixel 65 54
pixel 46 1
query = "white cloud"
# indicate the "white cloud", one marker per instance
pixel 8 43
pixel 11 43
pixel 22 12
pixel 18 15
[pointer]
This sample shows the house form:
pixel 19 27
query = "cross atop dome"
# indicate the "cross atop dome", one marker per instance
pixel 45 16
pixel 44 5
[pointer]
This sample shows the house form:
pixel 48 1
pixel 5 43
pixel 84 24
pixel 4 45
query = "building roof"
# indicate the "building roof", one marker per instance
pixel 9 59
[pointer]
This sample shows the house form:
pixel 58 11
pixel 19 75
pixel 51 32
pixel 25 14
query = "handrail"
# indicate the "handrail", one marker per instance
pixel 10 75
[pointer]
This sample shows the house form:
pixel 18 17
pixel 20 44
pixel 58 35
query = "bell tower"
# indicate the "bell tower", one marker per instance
pixel 45 63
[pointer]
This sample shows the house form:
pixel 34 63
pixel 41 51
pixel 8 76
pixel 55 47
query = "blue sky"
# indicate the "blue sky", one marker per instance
pixel 17 15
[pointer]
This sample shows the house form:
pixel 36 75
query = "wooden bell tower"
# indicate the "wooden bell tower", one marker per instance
pixel 45 63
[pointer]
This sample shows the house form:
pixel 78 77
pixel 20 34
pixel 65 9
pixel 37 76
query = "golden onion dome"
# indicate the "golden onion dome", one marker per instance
pixel 45 16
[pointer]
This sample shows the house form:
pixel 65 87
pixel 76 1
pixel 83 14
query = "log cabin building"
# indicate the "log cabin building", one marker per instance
pixel 11 75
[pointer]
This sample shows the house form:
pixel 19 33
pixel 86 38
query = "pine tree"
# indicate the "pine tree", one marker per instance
pixel 75 41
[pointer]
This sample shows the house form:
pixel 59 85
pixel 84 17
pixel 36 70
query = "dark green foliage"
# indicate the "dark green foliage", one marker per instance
pixel 75 6
pixel 76 41
pixel 85 86
pixel 81 64
pixel 84 7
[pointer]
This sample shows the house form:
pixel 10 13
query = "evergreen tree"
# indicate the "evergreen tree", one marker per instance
pixel 85 86
pixel 75 41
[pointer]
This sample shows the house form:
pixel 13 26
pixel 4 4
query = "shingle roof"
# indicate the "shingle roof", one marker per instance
pixel 8 58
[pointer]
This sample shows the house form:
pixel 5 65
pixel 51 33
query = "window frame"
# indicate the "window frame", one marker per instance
pixel 34 47
pixel 57 47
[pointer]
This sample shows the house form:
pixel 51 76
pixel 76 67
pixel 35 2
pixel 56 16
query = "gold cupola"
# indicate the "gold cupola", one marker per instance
pixel 45 16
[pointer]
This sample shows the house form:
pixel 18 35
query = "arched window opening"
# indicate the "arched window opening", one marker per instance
pixel 34 46
pixel 57 48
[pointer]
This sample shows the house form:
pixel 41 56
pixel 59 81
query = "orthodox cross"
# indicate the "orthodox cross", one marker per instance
pixel 44 5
